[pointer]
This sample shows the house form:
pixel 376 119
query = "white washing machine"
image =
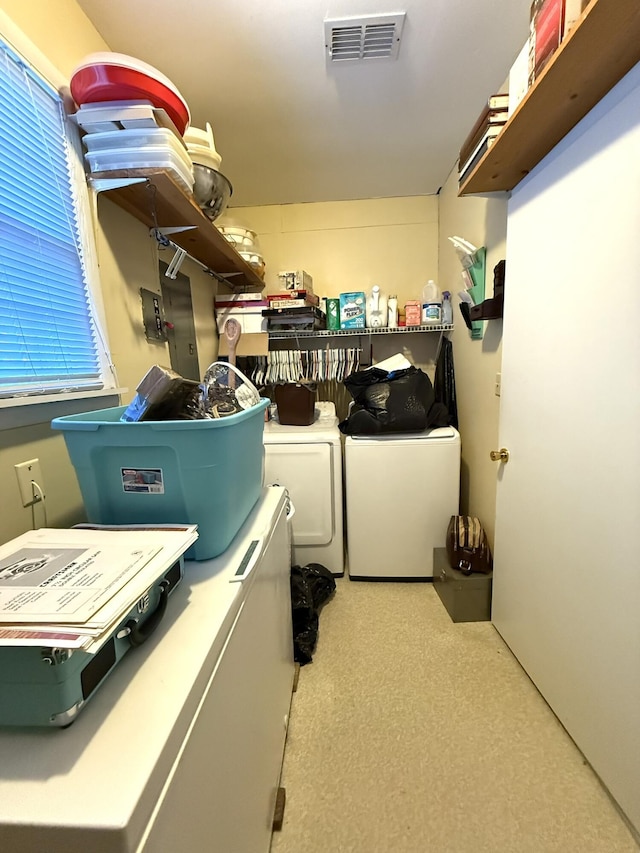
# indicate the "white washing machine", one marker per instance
pixel 307 460
pixel 401 491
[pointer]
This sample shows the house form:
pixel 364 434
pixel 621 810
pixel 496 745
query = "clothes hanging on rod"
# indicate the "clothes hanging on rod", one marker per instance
pixel 320 365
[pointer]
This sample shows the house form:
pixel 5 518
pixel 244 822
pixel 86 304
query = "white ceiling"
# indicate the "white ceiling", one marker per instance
pixel 291 126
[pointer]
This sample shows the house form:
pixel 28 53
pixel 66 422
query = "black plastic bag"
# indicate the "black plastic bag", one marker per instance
pixel 311 587
pixel 444 383
pixel 396 401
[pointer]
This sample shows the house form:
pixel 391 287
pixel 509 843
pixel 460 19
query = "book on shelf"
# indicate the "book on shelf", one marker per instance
pixel 519 78
pixel 546 21
pixel 488 118
pixel 307 295
pixel 465 169
pixel 484 143
pixel 499 101
pixel 289 303
pixel 293 311
pixel 239 297
pixel 572 11
pixel 244 305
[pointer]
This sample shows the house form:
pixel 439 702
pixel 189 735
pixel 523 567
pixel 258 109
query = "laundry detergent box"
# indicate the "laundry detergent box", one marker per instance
pixel 352 310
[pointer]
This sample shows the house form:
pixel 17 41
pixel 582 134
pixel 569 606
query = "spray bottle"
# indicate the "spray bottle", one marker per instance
pixel 447 308
pixel 431 304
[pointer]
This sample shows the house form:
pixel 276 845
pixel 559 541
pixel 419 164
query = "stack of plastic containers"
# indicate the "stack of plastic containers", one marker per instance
pixel 139 150
pixel 133 117
pixel 245 242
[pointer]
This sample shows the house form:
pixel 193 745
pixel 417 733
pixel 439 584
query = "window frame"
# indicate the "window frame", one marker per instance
pixel 42 407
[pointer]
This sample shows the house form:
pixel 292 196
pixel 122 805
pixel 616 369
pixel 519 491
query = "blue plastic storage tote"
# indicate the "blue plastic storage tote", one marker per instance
pixel 204 472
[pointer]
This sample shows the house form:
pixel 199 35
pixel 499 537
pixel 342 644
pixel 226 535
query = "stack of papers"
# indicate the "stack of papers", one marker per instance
pixel 71 588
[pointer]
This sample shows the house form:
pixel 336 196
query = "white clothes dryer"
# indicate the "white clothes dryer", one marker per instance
pixel 307 461
pixel 401 491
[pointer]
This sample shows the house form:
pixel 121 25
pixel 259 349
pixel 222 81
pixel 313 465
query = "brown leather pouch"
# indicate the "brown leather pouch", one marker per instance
pixel 467 546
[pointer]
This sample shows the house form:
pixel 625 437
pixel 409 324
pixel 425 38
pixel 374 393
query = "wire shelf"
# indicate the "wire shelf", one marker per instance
pixel 287 334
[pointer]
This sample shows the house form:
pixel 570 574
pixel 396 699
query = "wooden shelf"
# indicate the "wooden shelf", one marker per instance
pixel 159 202
pixel 602 47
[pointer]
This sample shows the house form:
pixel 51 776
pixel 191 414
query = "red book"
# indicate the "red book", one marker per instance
pixel 307 295
pixel 547 22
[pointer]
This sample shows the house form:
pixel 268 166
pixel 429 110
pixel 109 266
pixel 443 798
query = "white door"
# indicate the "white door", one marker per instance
pixel 567 569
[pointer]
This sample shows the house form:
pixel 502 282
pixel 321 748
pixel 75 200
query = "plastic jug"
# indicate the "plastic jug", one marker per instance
pixel 431 304
pixel 377 316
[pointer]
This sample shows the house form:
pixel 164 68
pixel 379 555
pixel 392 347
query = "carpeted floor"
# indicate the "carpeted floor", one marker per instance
pixel 412 734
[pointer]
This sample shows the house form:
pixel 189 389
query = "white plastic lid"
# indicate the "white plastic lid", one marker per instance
pixel 197 136
pixel 204 156
pixel 201 147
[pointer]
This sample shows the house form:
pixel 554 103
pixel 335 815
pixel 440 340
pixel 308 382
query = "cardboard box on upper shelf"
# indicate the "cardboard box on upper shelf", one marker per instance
pixel 295 280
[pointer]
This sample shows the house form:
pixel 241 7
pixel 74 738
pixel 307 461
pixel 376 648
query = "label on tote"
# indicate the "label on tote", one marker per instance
pixel 148 481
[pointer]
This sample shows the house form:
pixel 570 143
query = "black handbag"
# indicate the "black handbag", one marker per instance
pixel 467 546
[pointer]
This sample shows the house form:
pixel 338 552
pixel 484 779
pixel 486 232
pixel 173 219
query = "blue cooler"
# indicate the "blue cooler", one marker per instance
pixel 204 472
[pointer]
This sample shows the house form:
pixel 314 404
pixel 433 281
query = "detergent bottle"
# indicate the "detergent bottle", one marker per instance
pixel 431 304
pixel 377 316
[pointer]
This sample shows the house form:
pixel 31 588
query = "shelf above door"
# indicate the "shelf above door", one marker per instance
pixel 602 47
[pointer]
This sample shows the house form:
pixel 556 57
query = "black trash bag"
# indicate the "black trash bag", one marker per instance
pixel 396 401
pixel 444 383
pixel 311 588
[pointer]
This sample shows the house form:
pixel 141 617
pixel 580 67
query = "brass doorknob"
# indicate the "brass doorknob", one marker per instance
pixel 501 455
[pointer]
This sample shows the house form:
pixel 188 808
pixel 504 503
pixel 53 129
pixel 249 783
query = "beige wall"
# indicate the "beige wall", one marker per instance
pixel 350 245
pixel 128 260
pixel 59 28
pixel 482 221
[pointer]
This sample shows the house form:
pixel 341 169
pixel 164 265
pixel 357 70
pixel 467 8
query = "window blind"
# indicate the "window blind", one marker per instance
pixel 47 335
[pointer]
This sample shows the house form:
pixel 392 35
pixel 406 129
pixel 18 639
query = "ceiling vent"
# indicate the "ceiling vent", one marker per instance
pixel 371 37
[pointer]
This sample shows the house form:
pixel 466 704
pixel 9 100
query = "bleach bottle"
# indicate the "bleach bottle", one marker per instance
pixel 431 304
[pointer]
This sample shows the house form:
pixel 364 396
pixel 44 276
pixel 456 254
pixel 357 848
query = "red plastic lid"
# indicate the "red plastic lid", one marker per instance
pixel 117 77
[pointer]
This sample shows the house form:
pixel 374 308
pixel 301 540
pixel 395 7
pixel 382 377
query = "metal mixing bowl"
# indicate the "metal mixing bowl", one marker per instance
pixel 211 190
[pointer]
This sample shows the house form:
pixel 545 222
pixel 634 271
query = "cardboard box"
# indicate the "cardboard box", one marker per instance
pixel 295 280
pixel 352 310
pixel 413 313
pixel 250 319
